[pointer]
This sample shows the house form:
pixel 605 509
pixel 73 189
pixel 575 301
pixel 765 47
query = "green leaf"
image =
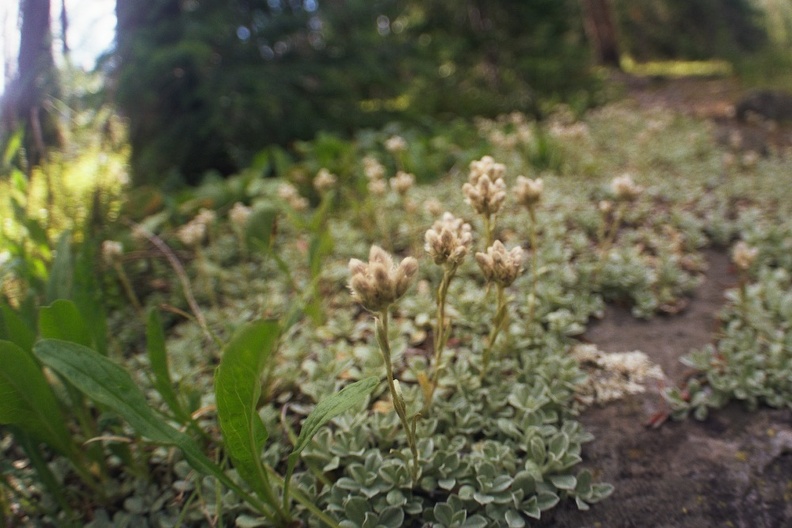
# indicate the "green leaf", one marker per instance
pixel 237 391
pixel 27 401
pixel 514 519
pixel 13 328
pixel 63 320
pixel 158 356
pixel 326 410
pixel 62 272
pixel 564 482
pixel 107 383
pixel 546 500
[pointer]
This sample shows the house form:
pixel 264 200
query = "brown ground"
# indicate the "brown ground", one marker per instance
pixel 733 469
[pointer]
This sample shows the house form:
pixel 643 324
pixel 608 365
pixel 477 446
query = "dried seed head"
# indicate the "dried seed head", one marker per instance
pixel 528 192
pixel 449 240
pixel 605 206
pixel 324 180
pixel 624 188
pixel 239 214
pixel 744 255
pixel 112 251
pixel 402 182
pixel 395 144
pixel 379 283
pixel 500 265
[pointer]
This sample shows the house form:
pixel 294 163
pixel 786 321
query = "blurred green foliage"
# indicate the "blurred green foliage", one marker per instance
pixel 206 85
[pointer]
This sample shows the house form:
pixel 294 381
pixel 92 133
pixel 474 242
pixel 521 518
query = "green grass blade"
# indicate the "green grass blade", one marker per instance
pixel 326 410
pixel 27 401
pixel 237 391
pixel 158 355
pixel 61 277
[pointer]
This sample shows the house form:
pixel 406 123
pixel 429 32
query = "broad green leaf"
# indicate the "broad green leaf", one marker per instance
pixel 13 328
pixel 326 410
pixel 237 391
pixel 109 384
pixel 564 482
pixel 158 356
pixel 61 276
pixel 63 320
pixel 27 401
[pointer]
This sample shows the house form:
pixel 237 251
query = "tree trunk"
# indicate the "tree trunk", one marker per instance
pixel 600 29
pixel 36 81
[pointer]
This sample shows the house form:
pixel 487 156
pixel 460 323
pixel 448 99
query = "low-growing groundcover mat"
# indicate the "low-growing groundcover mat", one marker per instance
pixel 346 347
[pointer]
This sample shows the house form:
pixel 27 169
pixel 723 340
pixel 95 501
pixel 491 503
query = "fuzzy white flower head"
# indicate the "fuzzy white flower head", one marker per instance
pixel 395 144
pixel 239 214
pixel 377 187
pixel 500 265
pixel 528 192
pixel 449 240
pixel 373 169
pixel 111 251
pixel 192 233
pixel 379 283
pixel 288 193
pixel 206 217
pixel 433 206
pixel 744 255
pixel 485 196
pixel 485 190
pixel 486 166
pixel 324 180
pixel 624 188
pixel 402 182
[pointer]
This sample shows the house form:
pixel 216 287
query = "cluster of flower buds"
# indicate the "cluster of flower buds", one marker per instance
pixel 192 233
pixel 112 251
pixel 625 189
pixel 528 192
pixel 375 173
pixel 500 265
pixel 206 217
pixel 402 182
pixel 485 191
pixel 379 283
pixel 324 180
pixel 744 255
pixel 449 240
pixel 486 166
pixel 239 215
pixel 373 169
pixel 289 194
pixel 395 144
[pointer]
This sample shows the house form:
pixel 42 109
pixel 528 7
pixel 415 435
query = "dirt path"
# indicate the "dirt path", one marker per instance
pixel 734 469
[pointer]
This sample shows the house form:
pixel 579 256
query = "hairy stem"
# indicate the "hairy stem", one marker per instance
pixel 398 403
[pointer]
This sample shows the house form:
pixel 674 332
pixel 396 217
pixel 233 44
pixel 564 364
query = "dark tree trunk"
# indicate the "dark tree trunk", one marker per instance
pixel 601 31
pixel 36 82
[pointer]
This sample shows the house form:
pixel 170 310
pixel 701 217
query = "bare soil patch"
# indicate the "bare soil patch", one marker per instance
pixel 733 469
